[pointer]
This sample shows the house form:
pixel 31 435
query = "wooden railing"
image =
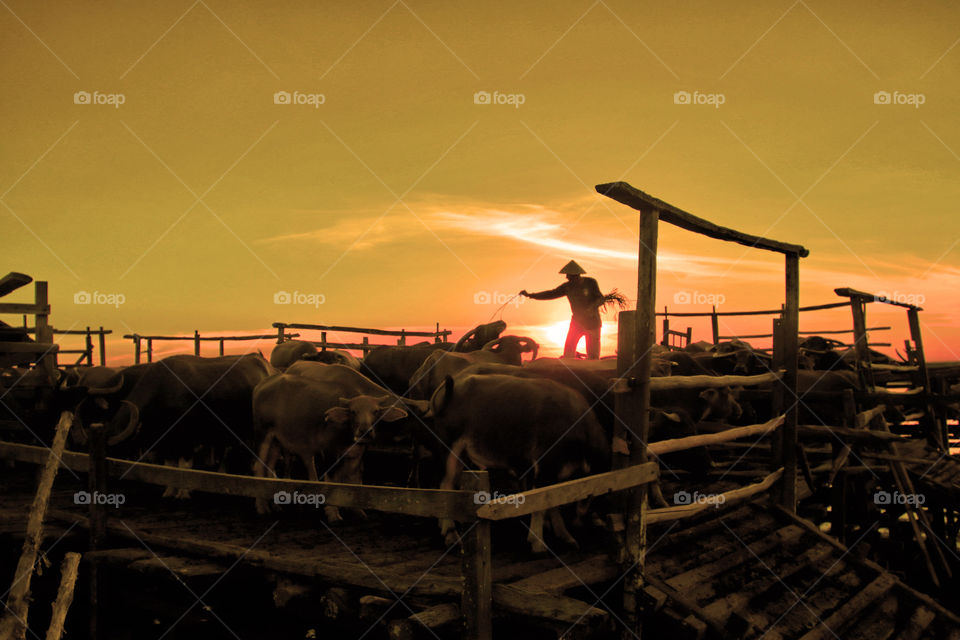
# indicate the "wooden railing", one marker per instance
pixel 196 338
pixel 365 346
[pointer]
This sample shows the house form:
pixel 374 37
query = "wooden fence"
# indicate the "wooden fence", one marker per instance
pixel 42 350
pixel 196 338
pixel 365 346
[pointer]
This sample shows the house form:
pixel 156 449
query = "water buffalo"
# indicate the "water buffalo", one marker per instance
pixel 440 364
pixel 180 407
pixel 392 366
pixel 310 417
pixel 538 429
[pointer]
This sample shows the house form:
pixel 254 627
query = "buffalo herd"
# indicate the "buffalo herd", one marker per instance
pixel 496 405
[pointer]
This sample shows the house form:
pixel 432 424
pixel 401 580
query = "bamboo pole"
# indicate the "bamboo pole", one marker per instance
pixel 68 578
pixel 13 624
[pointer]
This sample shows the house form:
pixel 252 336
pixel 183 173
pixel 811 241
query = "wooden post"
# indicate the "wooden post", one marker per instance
pixel 638 420
pixel 196 342
pixel 402 340
pixel 136 349
pixel 88 346
pixel 936 425
pixel 323 341
pixel 221 347
pixel 97 485
pixel 777 401
pixel 13 623
pixel 68 578
pixel 437 337
pixel 862 351
pixel 476 567
pixel 715 323
pixel 43 330
pixel 280 336
pixel 149 349
pixel 665 341
pixel 366 347
pixel 102 339
pixel 790 326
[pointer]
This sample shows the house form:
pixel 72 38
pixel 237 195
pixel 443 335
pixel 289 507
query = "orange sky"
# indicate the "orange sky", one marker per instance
pixel 397 200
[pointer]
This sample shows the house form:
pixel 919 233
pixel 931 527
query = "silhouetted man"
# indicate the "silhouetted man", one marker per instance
pixel 585 301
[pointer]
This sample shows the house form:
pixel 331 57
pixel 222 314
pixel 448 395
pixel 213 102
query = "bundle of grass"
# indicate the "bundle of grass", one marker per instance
pixel 615 297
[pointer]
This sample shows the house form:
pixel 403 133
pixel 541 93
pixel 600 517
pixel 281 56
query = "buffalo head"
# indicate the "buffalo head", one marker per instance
pixel 362 413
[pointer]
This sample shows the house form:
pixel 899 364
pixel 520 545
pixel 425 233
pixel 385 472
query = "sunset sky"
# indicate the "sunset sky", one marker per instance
pixel 189 190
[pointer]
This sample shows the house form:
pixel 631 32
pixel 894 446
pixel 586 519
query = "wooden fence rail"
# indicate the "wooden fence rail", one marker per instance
pixel 196 338
pixel 438 335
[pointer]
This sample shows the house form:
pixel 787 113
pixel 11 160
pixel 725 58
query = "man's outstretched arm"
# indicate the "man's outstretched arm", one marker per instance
pixel 552 294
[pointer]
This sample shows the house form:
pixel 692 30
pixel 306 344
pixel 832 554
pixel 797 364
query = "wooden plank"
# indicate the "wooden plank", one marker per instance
pixel 21 308
pixel 29 347
pixel 477 600
pixel 820 432
pixel 373 332
pixel 665 383
pixel 588 572
pixel 680 444
pixel 633 197
pixel 556 495
pixel 730 497
pixel 329 570
pixel 424 622
pixel 68 578
pixel 13 625
pixel 919 621
pixel 433 503
pixel 13 281
pixel 847 614
pixel 549 607
pixel 765 312
pixel 847 292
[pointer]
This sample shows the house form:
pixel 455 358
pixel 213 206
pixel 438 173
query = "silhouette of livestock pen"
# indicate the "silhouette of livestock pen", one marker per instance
pixel 741 563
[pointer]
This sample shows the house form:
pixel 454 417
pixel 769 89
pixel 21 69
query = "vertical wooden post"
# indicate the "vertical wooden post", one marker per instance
pixel 102 338
pixel 221 347
pixel 777 397
pixel 936 425
pixel 437 337
pixel 715 325
pixel 638 420
pixel 280 336
pixel 136 349
pixel 44 332
pixel 789 328
pixel 402 341
pixel 366 346
pixel 196 342
pixel 860 347
pixel 88 346
pixel 97 485
pixel 665 340
pixel 323 341
pixel 149 349
pixel 476 567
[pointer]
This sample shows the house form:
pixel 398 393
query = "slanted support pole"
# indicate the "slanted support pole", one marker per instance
pixel 476 567
pixel 789 328
pixel 936 425
pixel 638 418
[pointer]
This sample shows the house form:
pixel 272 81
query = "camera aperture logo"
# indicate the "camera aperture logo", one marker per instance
pixel 900 98
pixel 299 297
pixel 112 99
pixel 98 297
pixel 496 297
pixel 916 299
pixel 111 499
pixel 698 297
pixel 711 99
pixel 685 498
pixel 885 498
pixel 298 97
pixel 315 500
pixel 485 97
pixel 485 497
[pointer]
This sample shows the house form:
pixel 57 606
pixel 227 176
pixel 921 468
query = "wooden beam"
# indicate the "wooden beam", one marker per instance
pixel 790 324
pixel 29 347
pixel 13 281
pixel 476 603
pixel 556 495
pixel 519 601
pixel 820 432
pixel 633 197
pixel 431 503
pixel 373 332
pixel 849 612
pixel 730 497
pixel 68 578
pixel 681 444
pixel 698 382
pixel 847 292
pixel 13 624
pixel 21 308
